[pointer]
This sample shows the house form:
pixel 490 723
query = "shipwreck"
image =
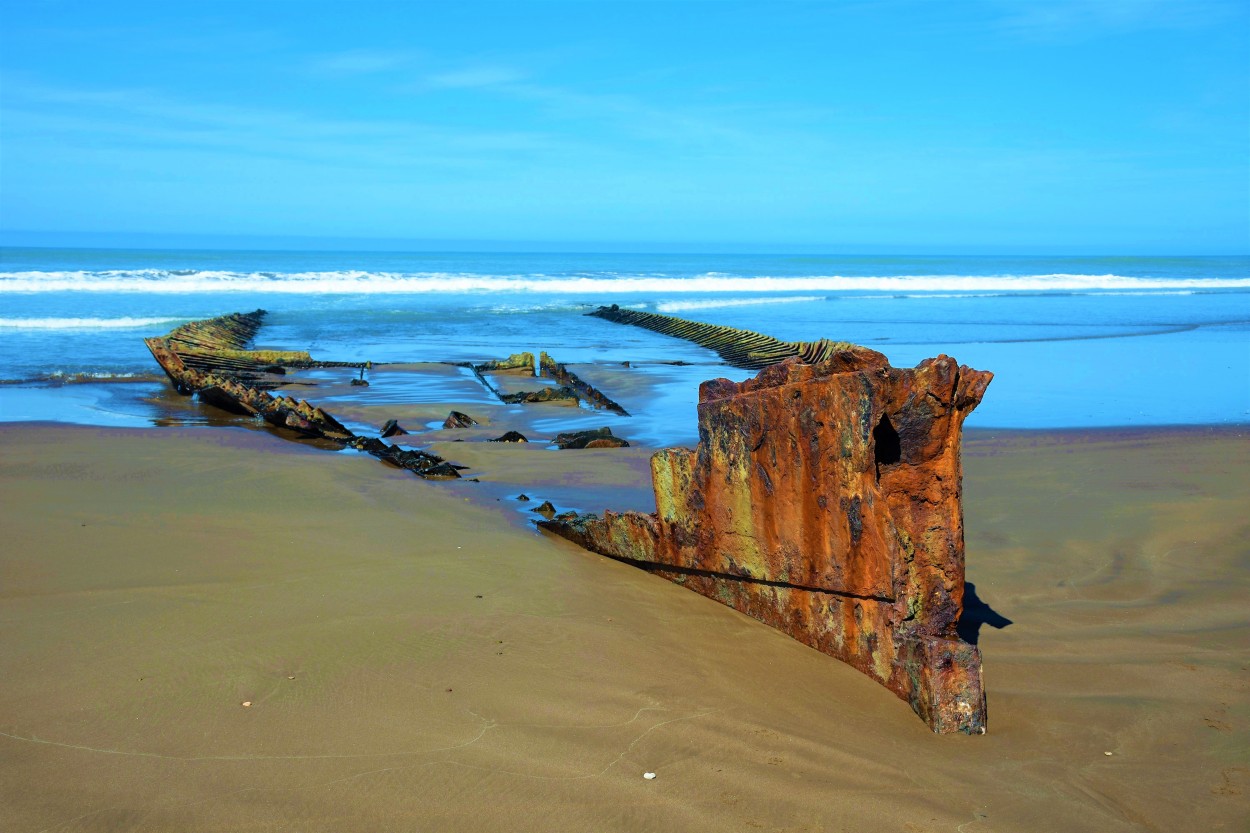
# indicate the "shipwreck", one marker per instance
pixel 209 359
pixel 824 497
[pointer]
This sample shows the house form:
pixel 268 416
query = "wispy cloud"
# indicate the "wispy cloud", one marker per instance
pixel 1080 19
pixel 208 37
pixel 625 115
pixel 363 62
pixel 475 77
pixel 141 120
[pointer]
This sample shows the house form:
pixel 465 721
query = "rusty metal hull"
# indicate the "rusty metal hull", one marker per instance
pixel 825 500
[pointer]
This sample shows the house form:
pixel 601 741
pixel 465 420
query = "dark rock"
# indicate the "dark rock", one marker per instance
pixel 456 419
pixel 607 442
pixel 511 437
pixel 392 429
pixel 545 509
pixel 595 438
pixel 524 498
pixel 442 470
pixel 372 445
pixel 359 383
pixel 416 461
pixel 552 394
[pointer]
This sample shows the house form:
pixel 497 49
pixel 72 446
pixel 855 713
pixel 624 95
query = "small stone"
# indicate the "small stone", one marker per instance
pixel 392 429
pixel 602 437
pixel 458 419
pixel 607 442
pixel 545 509
pixel 650 776
pixel 247 704
pixel 562 393
pixel 511 437
pixel 1108 754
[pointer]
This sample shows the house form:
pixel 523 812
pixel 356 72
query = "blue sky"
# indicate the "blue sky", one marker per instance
pixel 1100 126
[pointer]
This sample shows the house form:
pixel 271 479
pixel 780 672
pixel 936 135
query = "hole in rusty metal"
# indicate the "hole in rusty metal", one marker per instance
pixel 886 444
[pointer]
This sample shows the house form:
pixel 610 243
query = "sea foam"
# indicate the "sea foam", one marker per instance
pixel 687 306
pixel 353 282
pixel 83 323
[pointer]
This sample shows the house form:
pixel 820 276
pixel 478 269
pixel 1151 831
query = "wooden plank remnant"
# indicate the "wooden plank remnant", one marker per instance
pixel 740 348
pixel 207 358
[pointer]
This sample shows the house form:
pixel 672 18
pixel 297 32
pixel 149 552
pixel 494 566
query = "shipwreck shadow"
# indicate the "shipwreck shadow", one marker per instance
pixel 977 613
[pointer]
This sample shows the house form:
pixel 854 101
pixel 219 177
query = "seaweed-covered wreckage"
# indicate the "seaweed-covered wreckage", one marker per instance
pixel 208 358
pixel 824 499
pixel 569 386
pixel 739 348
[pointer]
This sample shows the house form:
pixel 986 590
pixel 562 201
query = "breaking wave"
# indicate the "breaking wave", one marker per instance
pixel 83 323
pixel 684 306
pixel 351 282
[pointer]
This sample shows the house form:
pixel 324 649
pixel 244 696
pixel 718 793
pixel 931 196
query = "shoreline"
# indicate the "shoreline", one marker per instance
pixel 410 651
pixel 150 398
pixel 973 435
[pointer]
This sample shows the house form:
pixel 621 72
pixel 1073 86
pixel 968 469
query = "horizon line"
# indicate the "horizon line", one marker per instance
pixel 180 241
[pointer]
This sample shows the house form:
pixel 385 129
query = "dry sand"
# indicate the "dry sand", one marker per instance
pixel 416 659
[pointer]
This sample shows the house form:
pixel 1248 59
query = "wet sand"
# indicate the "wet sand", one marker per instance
pixel 417 659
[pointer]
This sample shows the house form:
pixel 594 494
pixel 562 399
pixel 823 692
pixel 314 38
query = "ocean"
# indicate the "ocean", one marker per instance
pixel 1075 342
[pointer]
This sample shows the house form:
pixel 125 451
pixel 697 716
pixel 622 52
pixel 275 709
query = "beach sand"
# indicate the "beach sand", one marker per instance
pixel 416 658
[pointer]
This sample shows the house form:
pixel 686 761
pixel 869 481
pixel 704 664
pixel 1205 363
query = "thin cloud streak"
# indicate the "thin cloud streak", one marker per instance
pixel 1086 19
pixel 141 119
pixel 485 77
pixel 355 62
pixel 741 144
